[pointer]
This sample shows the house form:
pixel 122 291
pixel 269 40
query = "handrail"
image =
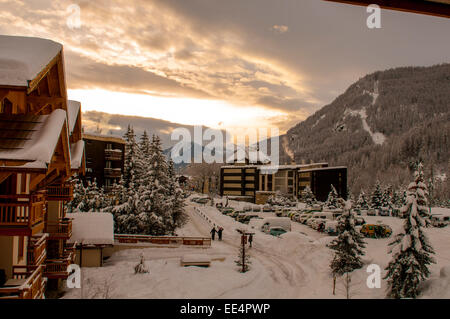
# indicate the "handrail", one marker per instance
pixel 32 288
pixel 130 238
pixel 22 209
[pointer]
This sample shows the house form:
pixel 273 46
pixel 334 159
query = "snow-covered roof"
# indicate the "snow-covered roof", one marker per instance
pixel 30 138
pixel 22 58
pixel 323 168
pixel 73 108
pixel 92 228
pixel 76 154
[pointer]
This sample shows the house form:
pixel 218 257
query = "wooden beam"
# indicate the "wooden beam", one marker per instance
pixel 44 100
pixel 428 7
pixel 33 83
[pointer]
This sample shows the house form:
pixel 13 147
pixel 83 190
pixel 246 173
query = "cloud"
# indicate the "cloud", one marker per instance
pixel 280 28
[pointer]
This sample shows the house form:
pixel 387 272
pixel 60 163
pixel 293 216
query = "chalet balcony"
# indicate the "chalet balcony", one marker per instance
pixel 60 192
pixel 22 215
pixel 27 283
pixel 37 250
pixel 57 268
pixel 113 172
pixel 61 229
pixel 113 155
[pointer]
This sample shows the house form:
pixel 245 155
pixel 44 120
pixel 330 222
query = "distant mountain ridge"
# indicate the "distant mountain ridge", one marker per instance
pixel 378 126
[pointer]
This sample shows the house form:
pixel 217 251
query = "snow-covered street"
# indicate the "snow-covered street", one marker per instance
pixel 295 265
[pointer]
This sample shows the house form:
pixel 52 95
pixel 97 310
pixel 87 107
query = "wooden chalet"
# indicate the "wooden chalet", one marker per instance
pixel 41 147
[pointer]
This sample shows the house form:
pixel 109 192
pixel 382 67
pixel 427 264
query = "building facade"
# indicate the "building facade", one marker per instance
pixel 105 158
pixel 40 149
pixel 255 183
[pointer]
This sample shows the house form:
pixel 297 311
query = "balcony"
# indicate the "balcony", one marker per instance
pixel 57 268
pixel 22 215
pixel 113 172
pixel 61 229
pixel 60 192
pixel 37 250
pixel 27 283
pixel 113 155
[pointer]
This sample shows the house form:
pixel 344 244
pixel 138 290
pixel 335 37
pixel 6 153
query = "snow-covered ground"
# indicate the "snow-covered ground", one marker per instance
pixel 296 265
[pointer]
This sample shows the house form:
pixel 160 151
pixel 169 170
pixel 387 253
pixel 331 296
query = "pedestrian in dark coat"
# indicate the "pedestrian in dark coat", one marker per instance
pixel 250 239
pixel 213 233
pixel 219 233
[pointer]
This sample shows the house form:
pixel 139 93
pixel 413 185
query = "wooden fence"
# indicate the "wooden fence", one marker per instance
pixel 162 240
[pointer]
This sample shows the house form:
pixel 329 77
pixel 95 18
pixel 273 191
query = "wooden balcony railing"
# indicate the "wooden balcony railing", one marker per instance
pixel 37 250
pixel 60 192
pixel 27 283
pixel 113 155
pixel 113 172
pixel 57 268
pixel 27 211
pixel 61 229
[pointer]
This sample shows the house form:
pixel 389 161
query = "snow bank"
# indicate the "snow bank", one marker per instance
pixel 22 58
pixel 92 228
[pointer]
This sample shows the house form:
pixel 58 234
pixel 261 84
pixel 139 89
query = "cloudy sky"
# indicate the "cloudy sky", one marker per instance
pixel 224 64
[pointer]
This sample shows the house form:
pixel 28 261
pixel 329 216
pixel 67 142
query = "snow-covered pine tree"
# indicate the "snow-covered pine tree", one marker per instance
pixel 176 197
pixel 308 196
pixel 79 193
pixel 155 215
pixel 362 203
pixel 133 166
pixel 386 199
pixel 141 268
pixel 376 201
pixel 411 250
pixel 348 246
pixel 332 199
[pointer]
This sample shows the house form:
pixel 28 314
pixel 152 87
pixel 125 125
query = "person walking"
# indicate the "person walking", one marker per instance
pixel 219 233
pixel 213 233
pixel 250 239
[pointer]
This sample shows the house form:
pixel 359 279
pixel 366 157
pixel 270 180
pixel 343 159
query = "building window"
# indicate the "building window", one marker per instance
pixel 109 146
pixel 108 164
pixel 21 248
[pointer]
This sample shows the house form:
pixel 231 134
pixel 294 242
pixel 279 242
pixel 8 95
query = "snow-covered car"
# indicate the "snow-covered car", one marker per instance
pixel 331 227
pixel 384 211
pixel 282 222
pixel 304 217
pixel 227 210
pixel 276 231
pixel 439 220
pixel 372 212
pixel 359 221
pixel 295 217
pixel 202 200
pixel 247 208
pixel 256 208
pixel 268 208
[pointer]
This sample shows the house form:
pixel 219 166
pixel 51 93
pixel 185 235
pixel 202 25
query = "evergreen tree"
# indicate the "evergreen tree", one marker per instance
pixel 176 196
pixel 348 246
pixel 362 203
pixel 386 199
pixel 376 201
pixel 411 250
pixel 155 216
pixel 308 196
pixel 79 193
pixel 332 199
pixel 133 167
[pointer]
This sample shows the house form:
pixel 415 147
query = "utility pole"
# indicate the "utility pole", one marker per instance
pixel 244 235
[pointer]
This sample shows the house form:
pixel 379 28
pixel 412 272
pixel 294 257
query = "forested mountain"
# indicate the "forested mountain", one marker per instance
pixel 381 124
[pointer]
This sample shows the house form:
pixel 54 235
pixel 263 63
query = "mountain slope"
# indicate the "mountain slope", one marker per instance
pixel 379 126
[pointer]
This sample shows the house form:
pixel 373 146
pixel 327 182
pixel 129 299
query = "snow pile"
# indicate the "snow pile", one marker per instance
pixel 22 58
pixel 195 258
pixel 92 228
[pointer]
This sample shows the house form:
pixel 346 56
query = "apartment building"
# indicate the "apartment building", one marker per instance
pixel 41 147
pixel 105 159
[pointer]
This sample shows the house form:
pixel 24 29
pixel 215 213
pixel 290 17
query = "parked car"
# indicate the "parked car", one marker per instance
pixel 384 211
pixel 277 231
pixel 227 210
pixel 331 228
pixel 247 208
pixel 282 222
pixel 439 220
pixel 256 208
pixel 359 221
pixel 268 208
pixel 304 217
pixel 372 212
pixel 376 230
pixel 202 200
